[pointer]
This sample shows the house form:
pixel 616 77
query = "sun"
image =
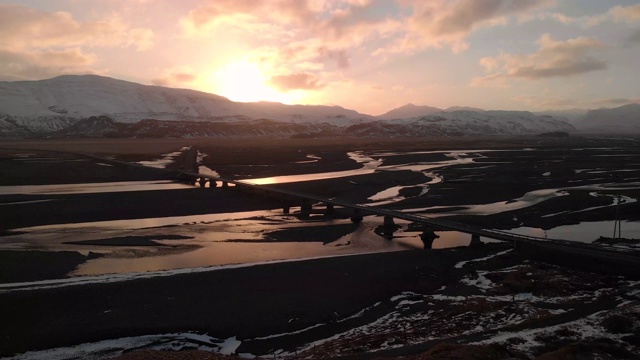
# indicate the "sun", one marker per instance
pixel 245 82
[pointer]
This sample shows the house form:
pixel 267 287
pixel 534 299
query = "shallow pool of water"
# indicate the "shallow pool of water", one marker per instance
pixel 585 232
pixel 89 188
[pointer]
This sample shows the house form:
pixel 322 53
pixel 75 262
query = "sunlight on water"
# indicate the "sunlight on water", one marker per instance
pixel 369 166
pixel 232 238
pixel 91 188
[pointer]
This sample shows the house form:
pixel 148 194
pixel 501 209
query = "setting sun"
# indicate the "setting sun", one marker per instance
pixel 245 81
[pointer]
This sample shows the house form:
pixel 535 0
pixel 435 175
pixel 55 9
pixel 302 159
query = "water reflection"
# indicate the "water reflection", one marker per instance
pixel 211 235
pixel 91 188
pixel 584 232
pixel 217 239
pixel 369 166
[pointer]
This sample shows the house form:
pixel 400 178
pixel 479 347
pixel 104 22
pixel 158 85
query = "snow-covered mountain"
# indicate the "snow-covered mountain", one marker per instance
pixel 412 111
pixel 623 119
pixel 408 111
pixel 466 108
pixel 465 122
pixel 54 104
pixel 572 116
pixel 89 105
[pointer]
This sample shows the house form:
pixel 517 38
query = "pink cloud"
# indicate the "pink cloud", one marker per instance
pixel 23 27
pixel 553 59
pixel 441 23
pixel 297 81
pixel 28 65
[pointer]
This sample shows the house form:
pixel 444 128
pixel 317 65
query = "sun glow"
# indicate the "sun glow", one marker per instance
pixel 244 81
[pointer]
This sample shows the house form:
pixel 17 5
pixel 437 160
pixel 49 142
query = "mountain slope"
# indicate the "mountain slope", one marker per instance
pixel 51 104
pixel 476 123
pixel 463 108
pixel 408 111
pixel 623 119
pixel 89 105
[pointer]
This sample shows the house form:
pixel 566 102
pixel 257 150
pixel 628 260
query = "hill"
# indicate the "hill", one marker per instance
pixel 623 119
pixel 97 106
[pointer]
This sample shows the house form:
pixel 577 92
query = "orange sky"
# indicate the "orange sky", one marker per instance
pixel 368 55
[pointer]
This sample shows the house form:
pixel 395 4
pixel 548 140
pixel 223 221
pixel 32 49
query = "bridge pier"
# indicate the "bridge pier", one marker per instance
pixel 389 223
pixel 475 240
pixel 225 184
pixel 328 211
pixel 427 237
pixel 305 208
pixel 387 228
pixel 306 205
pixel 357 217
pixel 203 182
pixel 213 184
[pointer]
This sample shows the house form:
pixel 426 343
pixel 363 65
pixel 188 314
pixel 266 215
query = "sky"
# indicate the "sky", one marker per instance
pixel 367 55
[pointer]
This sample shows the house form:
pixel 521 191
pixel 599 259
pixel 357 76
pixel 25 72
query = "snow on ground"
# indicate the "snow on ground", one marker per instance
pixel 492 309
pixel 462 263
pixel 587 329
pixel 480 281
pixel 114 347
pixel 202 169
pixel 165 160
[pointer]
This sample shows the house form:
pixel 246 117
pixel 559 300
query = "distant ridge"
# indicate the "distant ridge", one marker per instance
pixel 98 106
pixel 623 119
pixel 463 108
pixel 75 97
pixel 408 111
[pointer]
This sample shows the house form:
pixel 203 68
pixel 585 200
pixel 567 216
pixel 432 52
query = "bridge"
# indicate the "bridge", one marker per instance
pixel 590 257
pixel 581 254
pixel 189 173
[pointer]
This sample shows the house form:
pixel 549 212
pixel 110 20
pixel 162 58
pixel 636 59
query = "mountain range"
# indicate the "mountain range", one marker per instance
pixel 90 105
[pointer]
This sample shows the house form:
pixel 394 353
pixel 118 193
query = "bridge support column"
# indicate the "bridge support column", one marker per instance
pixel 225 184
pixel 213 184
pixel 389 223
pixel 427 237
pixel 328 211
pixel 387 228
pixel 356 217
pixel 306 205
pixel 305 209
pixel 475 240
pixel 203 182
